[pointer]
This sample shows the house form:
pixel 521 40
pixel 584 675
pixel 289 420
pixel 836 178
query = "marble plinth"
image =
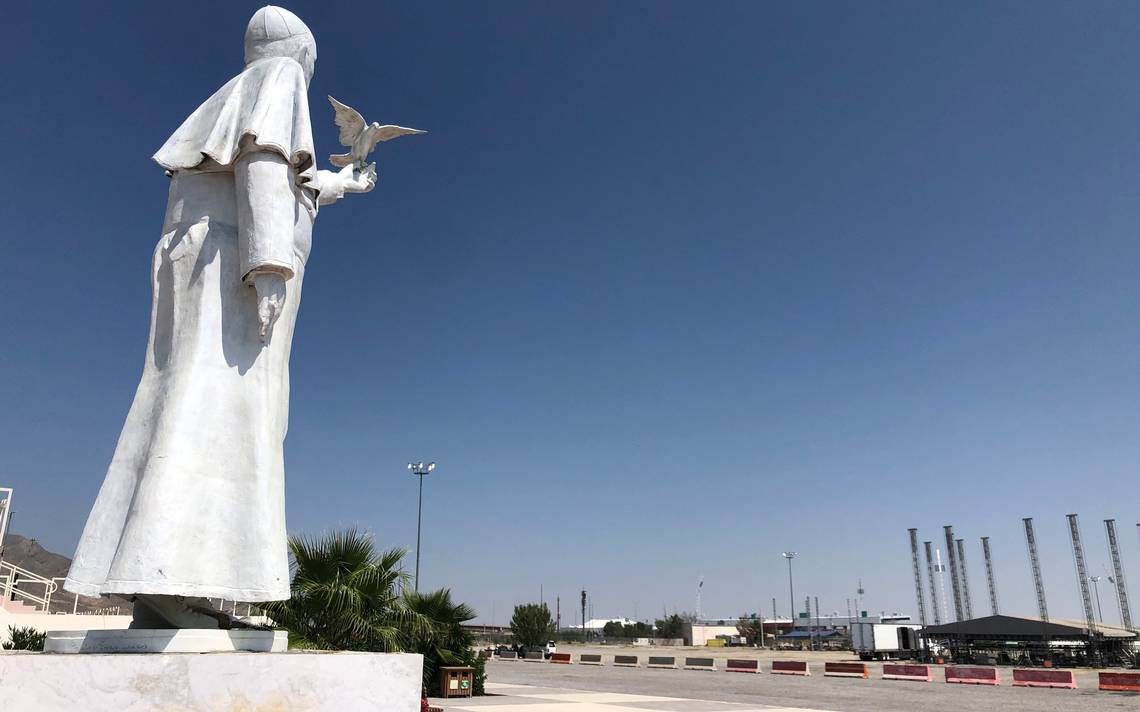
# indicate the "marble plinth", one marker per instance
pixel 188 640
pixel 294 681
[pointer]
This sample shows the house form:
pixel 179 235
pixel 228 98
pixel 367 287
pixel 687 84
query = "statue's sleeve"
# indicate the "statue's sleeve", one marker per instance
pixel 266 212
pixel 329 187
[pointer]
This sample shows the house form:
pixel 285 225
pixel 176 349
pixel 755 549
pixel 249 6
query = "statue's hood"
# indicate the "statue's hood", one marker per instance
pixel 267 102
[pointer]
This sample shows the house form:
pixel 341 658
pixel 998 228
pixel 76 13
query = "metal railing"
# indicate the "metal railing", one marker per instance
pixel 14 581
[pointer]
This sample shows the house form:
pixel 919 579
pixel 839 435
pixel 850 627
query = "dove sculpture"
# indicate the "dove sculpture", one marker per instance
pixel 361 137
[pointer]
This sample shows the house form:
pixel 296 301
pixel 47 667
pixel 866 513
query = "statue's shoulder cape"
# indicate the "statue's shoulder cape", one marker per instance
pixel 267 102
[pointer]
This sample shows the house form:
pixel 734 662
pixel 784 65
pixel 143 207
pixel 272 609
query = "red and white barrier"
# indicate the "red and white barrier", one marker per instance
pixel 560 658
pixel 845 670
pixel 1120 681
pixel 972 675
pixel 790 667
pixel 1044 678
pixel 918 673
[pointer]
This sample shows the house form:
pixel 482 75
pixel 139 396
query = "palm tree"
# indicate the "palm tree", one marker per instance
pixel 346 596
pixel 447 642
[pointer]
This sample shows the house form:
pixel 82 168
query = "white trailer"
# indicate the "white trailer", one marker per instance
pixel 885 641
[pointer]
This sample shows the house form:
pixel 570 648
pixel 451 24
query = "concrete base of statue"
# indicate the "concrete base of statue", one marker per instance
pixel 187 640
pixel 186 682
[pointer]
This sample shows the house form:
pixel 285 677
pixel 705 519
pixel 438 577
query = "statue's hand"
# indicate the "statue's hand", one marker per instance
pixel 355 180
pixel 270 288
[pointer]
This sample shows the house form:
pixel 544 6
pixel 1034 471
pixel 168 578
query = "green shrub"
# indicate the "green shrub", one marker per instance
pixel 24 639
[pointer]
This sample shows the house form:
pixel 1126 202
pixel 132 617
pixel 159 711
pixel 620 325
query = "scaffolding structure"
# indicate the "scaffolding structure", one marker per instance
pixel 917 576
pixel 949 532
pixel 1083 579
pixel 1118 574
pixel 966 601
pixel 990 576
pixel 933 586
pixel 1035 565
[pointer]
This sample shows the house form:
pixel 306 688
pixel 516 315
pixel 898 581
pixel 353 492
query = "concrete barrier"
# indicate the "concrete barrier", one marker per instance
pixel 534 657
pixel 662 663
pixel 1120 681
pixel 972 675
pixel 845 670
pixel 626 661
pixel 742 665
pixel 508 655
pixel 590 659
pixel 790 667
pixel 700 664
pixel 1044 678
pixel 561 658
pixel 895 671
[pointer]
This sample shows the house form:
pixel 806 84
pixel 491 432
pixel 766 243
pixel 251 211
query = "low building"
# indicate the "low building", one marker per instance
pixel 699 633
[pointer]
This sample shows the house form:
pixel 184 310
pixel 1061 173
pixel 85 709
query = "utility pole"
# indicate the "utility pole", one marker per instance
pixel 558 614
pixel 807 618
pixel 421 470
pixel 819 639
pixel 1096 590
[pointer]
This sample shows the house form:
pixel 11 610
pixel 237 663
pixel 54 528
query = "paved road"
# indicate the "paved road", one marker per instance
pixel 816 692
pixel 527 698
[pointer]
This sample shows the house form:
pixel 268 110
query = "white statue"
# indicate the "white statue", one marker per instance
pixel 193 502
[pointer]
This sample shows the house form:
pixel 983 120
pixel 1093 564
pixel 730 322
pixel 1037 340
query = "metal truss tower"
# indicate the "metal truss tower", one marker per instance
pixel 949 531
pixel 990 576
pixel 966 602
pixel 1082 573
pixel 1035 564
pixel 933 586
pixel 1118 574
pixel 917 576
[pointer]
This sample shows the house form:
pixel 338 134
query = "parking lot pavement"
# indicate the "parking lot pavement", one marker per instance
pixel 531 698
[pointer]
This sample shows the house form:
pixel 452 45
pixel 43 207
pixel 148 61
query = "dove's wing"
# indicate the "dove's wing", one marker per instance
pixel 387 133
pixel 349 120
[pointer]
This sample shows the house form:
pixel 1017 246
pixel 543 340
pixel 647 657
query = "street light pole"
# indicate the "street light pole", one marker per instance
pixel 1095 580
pixel 789 555
pixel 420 469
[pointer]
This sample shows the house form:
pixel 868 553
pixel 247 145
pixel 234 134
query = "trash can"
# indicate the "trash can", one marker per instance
pixel 456 681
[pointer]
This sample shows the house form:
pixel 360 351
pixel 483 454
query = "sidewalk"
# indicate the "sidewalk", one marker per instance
pixel 526 698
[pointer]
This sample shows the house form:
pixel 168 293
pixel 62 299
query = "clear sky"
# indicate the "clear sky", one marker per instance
pixel 669 287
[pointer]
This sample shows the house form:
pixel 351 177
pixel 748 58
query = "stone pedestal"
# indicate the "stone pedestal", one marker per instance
pixel 187 640
pixel 297 681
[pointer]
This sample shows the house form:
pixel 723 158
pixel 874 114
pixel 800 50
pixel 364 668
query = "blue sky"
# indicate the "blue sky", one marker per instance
pixel 669 287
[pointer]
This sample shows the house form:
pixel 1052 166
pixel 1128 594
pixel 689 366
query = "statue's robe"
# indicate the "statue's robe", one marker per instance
pixel 193 503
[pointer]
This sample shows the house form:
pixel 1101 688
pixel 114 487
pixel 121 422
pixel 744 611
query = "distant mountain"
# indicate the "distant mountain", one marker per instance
pixel 28 554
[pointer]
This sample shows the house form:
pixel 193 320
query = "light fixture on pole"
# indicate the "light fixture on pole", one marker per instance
pixel 789 555
pixel 420 469
pixel 1095 580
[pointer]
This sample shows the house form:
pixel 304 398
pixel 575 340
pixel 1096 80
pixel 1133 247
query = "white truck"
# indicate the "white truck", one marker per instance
pixel 885 641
